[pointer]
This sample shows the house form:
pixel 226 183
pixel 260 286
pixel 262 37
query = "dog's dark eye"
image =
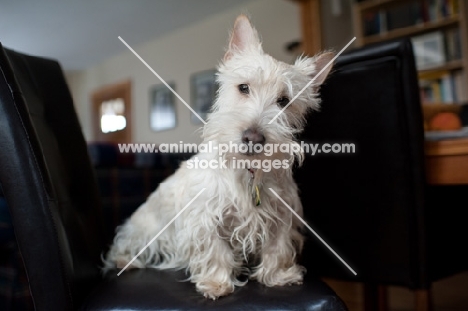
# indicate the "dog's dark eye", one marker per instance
pixel 283 101
pixel 244 88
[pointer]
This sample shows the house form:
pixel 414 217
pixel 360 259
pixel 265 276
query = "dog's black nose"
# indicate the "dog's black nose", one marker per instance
pixel 254 136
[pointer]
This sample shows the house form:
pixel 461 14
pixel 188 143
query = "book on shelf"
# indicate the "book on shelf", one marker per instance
pixel 453 45
pixel 461 87
pixel 372 23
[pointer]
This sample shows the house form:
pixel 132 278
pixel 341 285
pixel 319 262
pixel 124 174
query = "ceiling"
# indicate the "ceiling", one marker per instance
pixel 83 33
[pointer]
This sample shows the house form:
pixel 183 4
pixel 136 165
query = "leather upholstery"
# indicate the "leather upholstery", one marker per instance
pixel 158 288
pixel 373 207
pixel 46 174
pixel 51 191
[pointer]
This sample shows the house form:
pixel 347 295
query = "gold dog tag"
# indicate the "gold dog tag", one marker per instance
pixel 255 190
pixel 257 200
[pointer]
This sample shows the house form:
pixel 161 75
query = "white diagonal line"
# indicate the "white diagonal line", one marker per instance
pixel 313 79
pixel 162 230
pixel 159 77
pixel 312 230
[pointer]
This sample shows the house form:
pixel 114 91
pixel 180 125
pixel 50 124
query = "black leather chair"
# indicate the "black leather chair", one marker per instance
pixel 51 191
pixel 374 206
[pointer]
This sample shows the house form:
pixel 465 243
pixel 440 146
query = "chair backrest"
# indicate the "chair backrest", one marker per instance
pixel 369 205
pixel 48 181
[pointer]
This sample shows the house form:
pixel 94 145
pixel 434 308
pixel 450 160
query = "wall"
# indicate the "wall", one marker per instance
pixel 337 29
pixel 175 57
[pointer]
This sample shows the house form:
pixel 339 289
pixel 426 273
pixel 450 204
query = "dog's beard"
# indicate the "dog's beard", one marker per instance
pixel 291 152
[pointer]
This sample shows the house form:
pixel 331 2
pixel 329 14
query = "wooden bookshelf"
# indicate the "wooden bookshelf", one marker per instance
pixel 445 24
pixel 380 4
pixel 447 162
pixel 311 25
pixel 448 66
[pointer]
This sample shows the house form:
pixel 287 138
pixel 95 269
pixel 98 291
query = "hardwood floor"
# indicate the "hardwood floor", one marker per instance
pixel 449 294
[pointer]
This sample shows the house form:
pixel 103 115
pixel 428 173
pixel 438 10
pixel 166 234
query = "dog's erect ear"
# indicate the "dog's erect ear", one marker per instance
pixel 243 36
pixel 312 66
pixel 321 61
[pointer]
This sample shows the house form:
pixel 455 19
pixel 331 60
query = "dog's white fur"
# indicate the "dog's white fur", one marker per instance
pixel 222 231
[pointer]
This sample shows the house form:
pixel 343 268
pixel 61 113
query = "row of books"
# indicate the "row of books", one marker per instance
pixel 436 9
pixel 408 14
pixel 443 87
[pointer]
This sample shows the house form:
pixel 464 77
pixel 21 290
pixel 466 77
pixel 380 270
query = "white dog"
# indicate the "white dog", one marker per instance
pixel 237 225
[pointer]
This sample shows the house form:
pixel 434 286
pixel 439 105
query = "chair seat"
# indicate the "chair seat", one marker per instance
pixel 150 289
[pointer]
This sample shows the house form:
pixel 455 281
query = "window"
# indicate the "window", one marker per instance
pixel 112 113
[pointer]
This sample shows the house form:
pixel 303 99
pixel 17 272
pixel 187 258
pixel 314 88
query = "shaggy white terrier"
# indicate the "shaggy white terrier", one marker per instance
pixel 236 226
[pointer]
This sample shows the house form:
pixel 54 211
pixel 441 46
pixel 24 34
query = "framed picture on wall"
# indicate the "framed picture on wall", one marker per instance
pixel 203 88
pixel 162 108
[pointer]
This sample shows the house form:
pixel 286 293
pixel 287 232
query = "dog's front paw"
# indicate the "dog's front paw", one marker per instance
pixel 280 276
pixel 214 290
